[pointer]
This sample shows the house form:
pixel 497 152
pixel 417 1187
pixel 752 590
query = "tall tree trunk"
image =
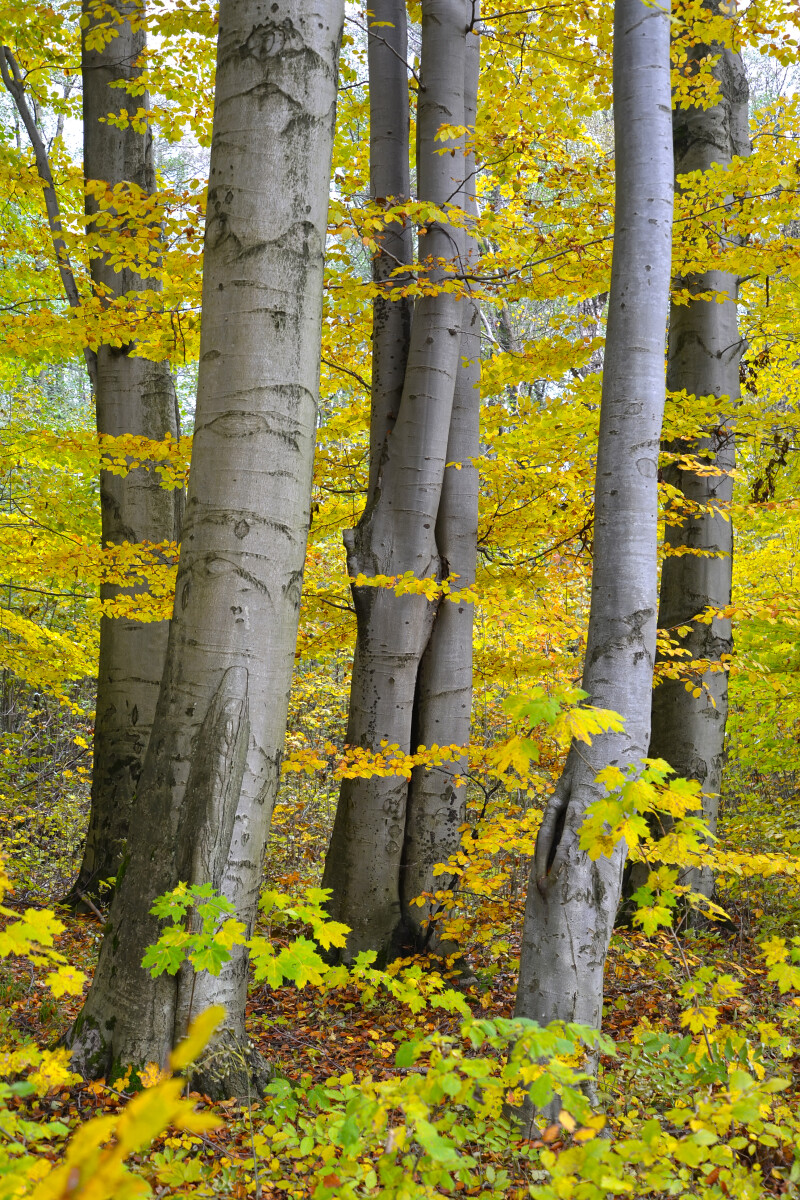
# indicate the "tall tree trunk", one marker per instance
pixel 211 770
pixel 132 395
pixel 443 705
pixel 397 532
pixel 387 48
pixel 704 354
pixel 572 900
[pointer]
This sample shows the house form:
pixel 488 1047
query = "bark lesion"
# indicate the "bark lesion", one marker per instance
pixel 215 778
pixel 551 832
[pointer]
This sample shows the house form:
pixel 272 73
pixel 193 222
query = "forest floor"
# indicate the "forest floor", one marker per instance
pixel 316 1039
pixel 685 1013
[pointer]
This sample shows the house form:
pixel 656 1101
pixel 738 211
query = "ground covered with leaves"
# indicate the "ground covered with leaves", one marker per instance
pixel 407 1089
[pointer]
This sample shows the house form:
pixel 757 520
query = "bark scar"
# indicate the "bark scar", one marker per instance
pixel 550 833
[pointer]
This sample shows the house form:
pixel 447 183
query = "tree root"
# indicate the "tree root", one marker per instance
pixel 229 1068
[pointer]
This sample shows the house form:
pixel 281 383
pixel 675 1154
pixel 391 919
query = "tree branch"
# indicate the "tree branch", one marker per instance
pixel 15 85
pixel 346 371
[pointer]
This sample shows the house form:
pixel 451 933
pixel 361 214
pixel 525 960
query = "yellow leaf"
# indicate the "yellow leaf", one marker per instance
pixel 66 981
pixel 199 1032
pixel 151 1075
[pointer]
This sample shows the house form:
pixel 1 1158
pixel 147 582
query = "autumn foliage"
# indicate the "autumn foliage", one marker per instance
pixel 402 1081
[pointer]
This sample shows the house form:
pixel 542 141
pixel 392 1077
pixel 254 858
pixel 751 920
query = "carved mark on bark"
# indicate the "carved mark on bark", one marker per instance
pixel 638 622
pixel 240 424
pixel 215 778
pixel 269 39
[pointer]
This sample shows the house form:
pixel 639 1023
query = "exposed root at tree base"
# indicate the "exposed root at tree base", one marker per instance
pixel 229 1068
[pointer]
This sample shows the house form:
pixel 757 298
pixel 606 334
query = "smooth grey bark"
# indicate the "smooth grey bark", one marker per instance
pixel 211 770
pixel 572 900
pixel 443 704
pixel 398 530
pixel 387 49
pixel 705 350
pixel 132 396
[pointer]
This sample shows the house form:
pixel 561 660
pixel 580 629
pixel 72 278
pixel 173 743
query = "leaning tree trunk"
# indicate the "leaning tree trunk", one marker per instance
pixel 572 900
pixel 704 354
pixel 211 770
pixel 132 396
pixel 397 532
pixel 443 705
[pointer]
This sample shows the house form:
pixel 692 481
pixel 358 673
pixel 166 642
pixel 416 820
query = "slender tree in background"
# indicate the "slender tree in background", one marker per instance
pixel 705 350
pixel 572 900
pixel 211 770
pixel 382 846
pixel 132 396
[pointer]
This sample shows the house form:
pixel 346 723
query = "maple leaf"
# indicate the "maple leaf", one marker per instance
pixel 66 981
pixel 331 933
pixel 300 962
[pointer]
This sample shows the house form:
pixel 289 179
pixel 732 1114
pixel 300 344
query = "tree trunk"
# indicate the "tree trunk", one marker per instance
pixel 704 354
pixel 211 770
pixel 134 396
pixel 398 530
pixel 443 706
pixel 389 185
pixel 572 900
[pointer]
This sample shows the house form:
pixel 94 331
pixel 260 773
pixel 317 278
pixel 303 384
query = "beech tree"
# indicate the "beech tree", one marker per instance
pixel 132 395
pixel 572 898
pixel 211 770
pixel 705 350
pixel 443 701
pixel 412 680
pixel 688 1043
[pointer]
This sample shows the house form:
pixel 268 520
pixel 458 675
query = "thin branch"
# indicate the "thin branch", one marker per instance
pixel 15 85
pixel 521 12
pixel 346 371
pixel 379 38
pixel 23 303
pixel 20 587
pixel 332 604
pixel 488 328
pixel 66 89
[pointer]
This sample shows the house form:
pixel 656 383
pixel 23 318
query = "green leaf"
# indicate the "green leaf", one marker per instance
pixel 160 958
pixel 300 962
pixel 541 1091
pixel 406 1054
pixel 691 1153
pixel 440 1149
pixel 210 958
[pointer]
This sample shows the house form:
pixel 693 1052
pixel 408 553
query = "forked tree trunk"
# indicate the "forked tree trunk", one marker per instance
pixel 132 395
pixel 443 703
pixel 211 771
pixel 572 900
pixel 704 354
pixel 398 531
